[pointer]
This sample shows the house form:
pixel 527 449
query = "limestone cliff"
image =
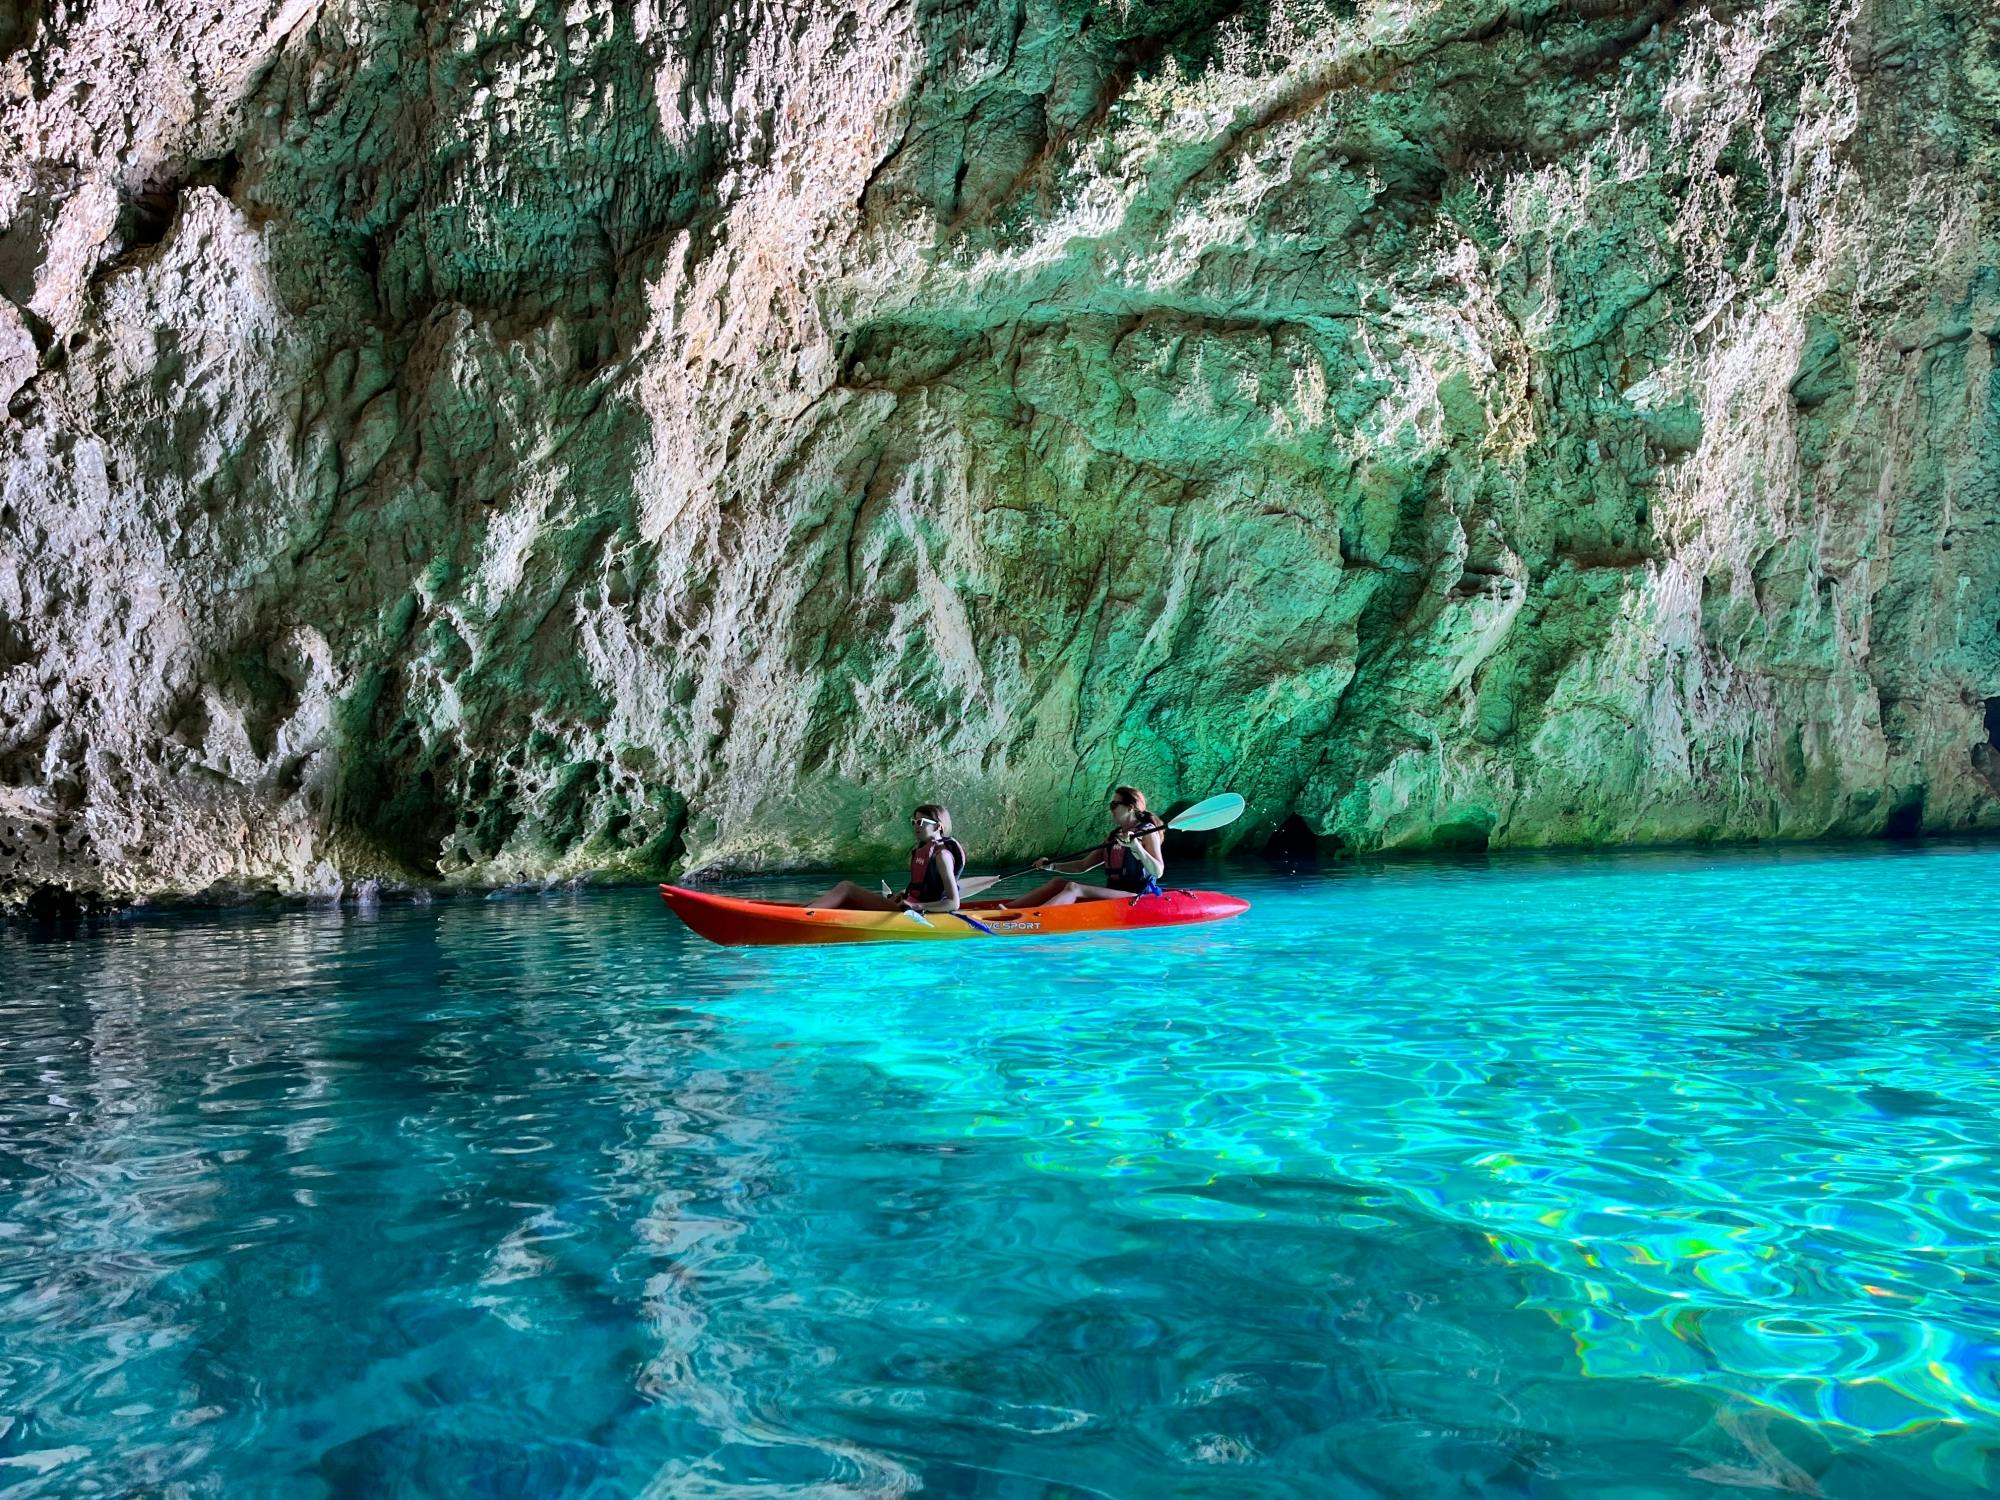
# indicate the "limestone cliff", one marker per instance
pixel 493 438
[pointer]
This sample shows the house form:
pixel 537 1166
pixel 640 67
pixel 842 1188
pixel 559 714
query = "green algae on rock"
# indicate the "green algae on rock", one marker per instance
pixel 482 442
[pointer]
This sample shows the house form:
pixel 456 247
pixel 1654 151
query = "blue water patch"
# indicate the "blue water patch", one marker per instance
pixel 1640 1175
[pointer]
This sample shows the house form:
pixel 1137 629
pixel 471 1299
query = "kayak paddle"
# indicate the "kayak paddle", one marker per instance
pixel 1216 812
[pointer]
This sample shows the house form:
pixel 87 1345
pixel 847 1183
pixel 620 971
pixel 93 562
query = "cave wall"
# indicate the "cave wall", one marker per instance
pixel 489 441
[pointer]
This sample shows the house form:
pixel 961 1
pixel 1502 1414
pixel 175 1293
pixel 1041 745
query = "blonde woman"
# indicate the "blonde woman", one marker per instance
pixel 936 861
pixel 1133 855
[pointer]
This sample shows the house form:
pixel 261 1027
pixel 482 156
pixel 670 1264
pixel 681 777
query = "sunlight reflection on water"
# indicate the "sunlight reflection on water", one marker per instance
pixel 1561 1176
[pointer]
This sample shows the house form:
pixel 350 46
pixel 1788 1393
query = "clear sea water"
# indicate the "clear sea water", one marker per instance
pixel 1636 1176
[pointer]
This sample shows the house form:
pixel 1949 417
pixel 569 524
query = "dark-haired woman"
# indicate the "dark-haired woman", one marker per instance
pixel 1133 855
pixel 936 861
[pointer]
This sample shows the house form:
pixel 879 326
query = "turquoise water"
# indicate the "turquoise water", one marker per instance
pixel 1632 1176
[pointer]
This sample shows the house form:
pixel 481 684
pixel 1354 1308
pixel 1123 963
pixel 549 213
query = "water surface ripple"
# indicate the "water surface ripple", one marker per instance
pixel 1639 1176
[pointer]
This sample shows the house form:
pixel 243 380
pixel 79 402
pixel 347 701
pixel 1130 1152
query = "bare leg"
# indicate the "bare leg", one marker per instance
pixel 847 896
pixel 1041 895
pixel 1067 892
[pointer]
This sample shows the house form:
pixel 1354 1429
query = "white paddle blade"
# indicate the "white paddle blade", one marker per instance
pixel 977 884
pixel 1216 812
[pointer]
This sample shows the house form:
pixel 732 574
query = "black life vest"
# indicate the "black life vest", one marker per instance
pixel 926 881
pixel 1124 872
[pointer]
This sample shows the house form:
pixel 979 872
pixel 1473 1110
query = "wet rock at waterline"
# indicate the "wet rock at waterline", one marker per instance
pixel 477 441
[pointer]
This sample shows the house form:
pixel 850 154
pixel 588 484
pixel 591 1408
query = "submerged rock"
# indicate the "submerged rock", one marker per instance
pixel 491 442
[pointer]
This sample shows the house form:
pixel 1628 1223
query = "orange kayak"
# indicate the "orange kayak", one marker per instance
pixel 734 920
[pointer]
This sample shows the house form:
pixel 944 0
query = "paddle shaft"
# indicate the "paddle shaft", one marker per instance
pixel 1215 812
pixel 980 883
pixel 987 882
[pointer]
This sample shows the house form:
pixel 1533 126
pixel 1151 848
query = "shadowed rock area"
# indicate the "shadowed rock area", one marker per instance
pixel 482 441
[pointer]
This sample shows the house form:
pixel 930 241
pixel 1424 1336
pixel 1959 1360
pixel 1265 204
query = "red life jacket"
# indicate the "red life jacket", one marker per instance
pixel 926 883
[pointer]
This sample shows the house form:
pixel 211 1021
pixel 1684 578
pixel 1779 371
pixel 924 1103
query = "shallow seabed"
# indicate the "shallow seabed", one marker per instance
pixel 1646 1175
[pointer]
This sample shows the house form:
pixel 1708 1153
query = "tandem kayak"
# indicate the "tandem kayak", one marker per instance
pixel 734 920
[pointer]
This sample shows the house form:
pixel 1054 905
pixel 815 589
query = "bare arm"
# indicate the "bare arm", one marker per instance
pixel 1078 865
pixel 1151 852
pixel 950 874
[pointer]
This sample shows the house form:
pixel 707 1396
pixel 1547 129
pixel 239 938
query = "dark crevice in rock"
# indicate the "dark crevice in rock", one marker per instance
pixel 1607 559
pixel 1293 843
pixel 1609 51
pixel 55 911
pixel 19 21
pixel 395 789
pixel 38 328
pixel 147 216
pixel 266 697
pixel 659 850
pixel 14 648
pixel 1986 754
pixel 1145 32
pixel 1821 373
pixel 567 814
pixel 1467 837
pixel 1906 818
pixel 1475 579
pixel 904 356
pixel 24 752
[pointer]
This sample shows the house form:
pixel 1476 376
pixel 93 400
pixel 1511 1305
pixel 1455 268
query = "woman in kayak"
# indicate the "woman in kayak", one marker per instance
pixel 1133 855
pixel 935 863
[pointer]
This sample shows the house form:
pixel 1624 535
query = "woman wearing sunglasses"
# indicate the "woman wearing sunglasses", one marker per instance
pixel 1133 855
pixel 936 861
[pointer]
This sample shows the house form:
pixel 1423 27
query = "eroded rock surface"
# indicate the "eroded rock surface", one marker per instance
pixel 481 440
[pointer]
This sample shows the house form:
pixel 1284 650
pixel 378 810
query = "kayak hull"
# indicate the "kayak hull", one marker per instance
pixel 738 922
